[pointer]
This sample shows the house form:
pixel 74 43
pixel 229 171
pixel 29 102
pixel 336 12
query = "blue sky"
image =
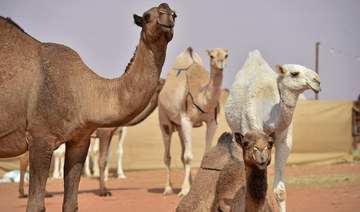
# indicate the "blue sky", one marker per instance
pixel 285 31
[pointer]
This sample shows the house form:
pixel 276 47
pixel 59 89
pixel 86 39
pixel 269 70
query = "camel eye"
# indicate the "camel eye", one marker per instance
pixel 146 17
pixel 294 74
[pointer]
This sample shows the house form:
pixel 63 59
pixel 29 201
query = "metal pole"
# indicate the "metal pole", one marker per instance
pixel 317 64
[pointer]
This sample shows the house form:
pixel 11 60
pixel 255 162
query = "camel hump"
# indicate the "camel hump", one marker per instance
pixel 225 138
pixel 186 58
pixel 256 61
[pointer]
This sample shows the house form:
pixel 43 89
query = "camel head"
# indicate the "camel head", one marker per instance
pixel 156 22
pixel 256 148
pixel 298 78
pixel 218 58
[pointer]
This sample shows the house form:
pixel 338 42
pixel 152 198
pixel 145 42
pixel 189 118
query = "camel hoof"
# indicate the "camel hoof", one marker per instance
pixel 21 196
pixel 168 190
pixel 107 194
pixel 183 192
pixel 48 195
pixel 121 176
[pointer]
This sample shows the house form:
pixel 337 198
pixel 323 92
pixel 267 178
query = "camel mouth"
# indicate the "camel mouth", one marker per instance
pixel 316 89
pixel 262 166
pixel 166 27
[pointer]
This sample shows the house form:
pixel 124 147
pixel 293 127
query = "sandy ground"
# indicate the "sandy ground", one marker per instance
pixel 310 188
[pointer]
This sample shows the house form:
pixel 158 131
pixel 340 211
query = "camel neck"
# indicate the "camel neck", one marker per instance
pixel 123 98
pixel 288 100
pixel 210 96
pixel 256 188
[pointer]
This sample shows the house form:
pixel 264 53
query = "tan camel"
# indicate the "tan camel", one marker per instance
pixel 190 97
pixel 232 183
pixel 49 97
pixel 105 135
pixel 261 100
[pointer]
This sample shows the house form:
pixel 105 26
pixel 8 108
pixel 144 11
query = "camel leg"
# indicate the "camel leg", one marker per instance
pixel 282 151
pixel 103 150
pixel 75 156
pixel 24 161
pixel 87 172
pixel 166 132
pixel 56 172
pixel 187 156
pixel 120 172
pixel 106 172
pixel 40 155
pixel 210 132
pixel 62 164
pixel 95 157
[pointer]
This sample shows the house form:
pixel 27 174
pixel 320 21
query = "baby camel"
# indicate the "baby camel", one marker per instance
pixel 230 184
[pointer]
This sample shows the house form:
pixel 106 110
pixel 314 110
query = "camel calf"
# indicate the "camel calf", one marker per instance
pixel 233 182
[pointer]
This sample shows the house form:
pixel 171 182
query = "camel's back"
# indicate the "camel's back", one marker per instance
pixel 36 78
pixel 177 86
pixel 17 52
pixel 186 58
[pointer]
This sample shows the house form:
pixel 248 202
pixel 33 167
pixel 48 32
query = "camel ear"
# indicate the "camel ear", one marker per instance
pixel 208 52
pixel 273 135
pixel 280 70
pixel 138 20
pixel 227 53
pixel 239 139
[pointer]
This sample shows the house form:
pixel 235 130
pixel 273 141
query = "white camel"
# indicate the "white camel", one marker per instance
pixel 261 100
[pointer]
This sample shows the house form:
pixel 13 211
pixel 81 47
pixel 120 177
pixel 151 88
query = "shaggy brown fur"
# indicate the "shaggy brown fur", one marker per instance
pixel 222 184
pixel 49 97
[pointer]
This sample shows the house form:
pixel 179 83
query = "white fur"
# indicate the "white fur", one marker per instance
pixel 93 155
pixel 59 159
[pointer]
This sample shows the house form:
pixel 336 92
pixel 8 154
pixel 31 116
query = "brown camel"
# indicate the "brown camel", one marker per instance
pixel 190 97
pixel 49 97
pixel 233 175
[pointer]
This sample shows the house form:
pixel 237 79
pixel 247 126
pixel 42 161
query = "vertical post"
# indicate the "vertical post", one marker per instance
pixel 317 64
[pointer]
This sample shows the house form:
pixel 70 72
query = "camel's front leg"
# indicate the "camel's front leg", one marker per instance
pixel 103 152
pixel 185 136
pixel 40 154
pixel 282 151
pixel 122 134
pixel 210 132
pixel 75 156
